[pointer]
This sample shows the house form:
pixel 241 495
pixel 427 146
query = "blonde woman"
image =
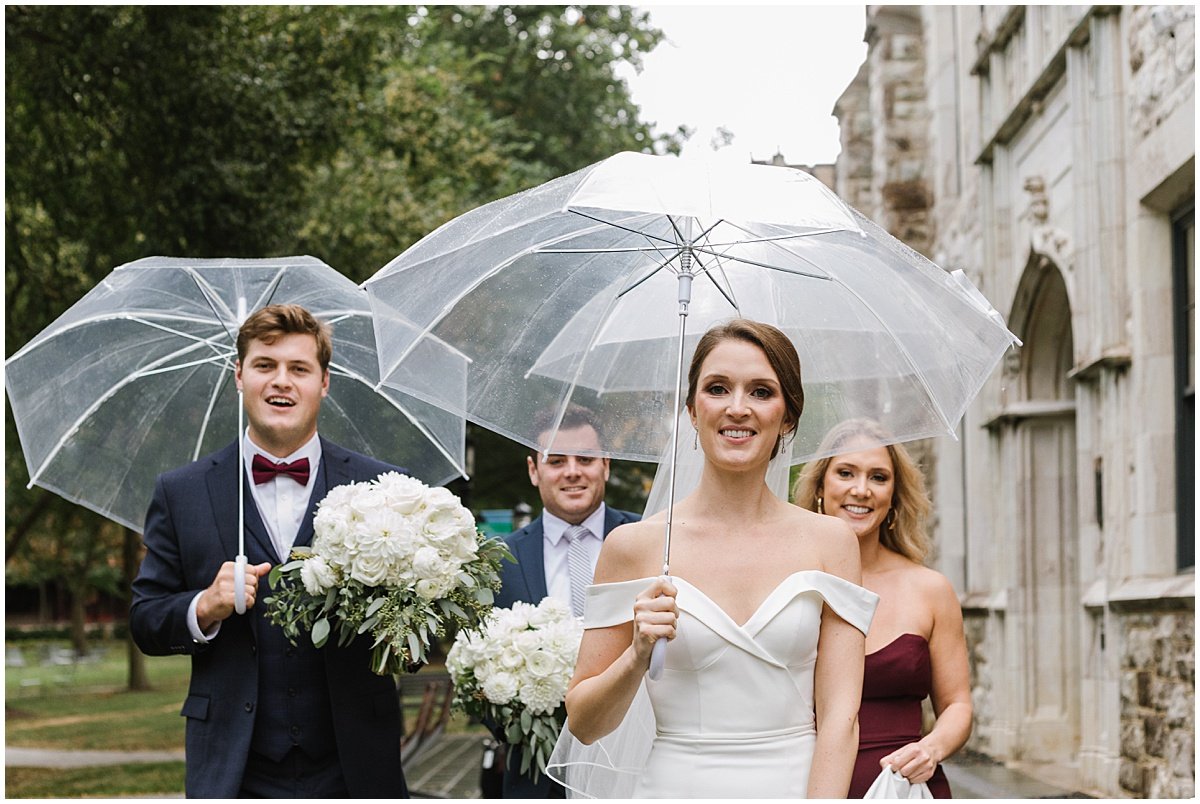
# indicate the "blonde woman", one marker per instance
pixel 915 646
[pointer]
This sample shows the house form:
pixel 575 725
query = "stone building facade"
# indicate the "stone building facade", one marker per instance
pixel 1049 152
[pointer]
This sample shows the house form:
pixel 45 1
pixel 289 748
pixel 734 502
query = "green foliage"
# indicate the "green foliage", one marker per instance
pixel 343 132
pixel 405 626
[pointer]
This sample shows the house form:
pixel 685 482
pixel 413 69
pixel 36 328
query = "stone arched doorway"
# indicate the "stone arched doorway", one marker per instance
pixel 1046 610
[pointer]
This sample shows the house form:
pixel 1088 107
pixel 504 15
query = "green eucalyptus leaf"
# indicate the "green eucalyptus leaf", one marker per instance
pixel 320 633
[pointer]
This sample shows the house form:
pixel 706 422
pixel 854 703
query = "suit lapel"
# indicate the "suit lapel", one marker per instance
pixel 612 518
pixel 222 480
pixel 321 487
pixel 531 558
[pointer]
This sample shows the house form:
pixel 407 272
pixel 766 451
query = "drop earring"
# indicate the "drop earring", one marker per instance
pixel 820 504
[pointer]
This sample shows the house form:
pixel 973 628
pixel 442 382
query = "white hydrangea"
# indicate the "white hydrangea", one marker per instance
pixel 500 687
pixel 525 654
pixel 542 696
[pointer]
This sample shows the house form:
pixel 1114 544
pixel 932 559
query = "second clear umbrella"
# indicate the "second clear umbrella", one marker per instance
pixel 592 289
pixel 137 378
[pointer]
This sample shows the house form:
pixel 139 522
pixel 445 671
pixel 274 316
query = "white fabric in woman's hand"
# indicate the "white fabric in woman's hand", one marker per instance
pixel 891 784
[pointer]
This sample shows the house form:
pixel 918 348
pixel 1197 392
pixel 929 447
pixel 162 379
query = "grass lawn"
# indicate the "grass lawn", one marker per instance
pixel 113 781
pixel 85 706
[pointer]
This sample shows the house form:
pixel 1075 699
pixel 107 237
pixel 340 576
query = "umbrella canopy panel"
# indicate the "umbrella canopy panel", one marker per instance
pixel 137 377
pixel 567 294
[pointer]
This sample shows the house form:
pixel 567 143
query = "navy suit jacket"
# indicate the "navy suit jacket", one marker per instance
pixel 191 529
pixel 525 581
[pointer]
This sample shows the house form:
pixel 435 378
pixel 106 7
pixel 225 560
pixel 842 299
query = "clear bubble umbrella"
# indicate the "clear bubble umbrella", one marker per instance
pixel 592 289
pixel 137 378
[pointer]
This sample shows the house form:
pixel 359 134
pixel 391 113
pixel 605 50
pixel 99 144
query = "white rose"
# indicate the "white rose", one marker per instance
pixel 367 500
pixel 527 642
pixel 458 659
pixel 464 548
pixel 554 609
pixel 541 664
pixel 517 618
pixel 340 496
pixel 405 495
pixel 428 563
pixel 446 523
pixel 428 589
pixel 317 576
pixel 369 568
pixel 500 688
pixel 511 660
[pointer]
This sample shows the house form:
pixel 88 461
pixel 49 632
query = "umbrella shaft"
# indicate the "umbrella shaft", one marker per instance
pixel 685 298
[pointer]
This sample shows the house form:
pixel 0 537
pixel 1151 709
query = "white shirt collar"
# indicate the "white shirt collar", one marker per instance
pixel 553 527
pixel 311 449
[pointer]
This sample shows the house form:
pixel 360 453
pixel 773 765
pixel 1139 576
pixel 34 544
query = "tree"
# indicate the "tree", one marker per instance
pixel 206 131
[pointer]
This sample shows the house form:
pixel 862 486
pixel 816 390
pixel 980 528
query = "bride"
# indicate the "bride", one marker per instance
pixel 760 692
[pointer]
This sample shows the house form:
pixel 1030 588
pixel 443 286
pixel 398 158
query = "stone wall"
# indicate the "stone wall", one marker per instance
pixel 1162 61
pixel 1158 704
pixel 896 100
pixel 975 624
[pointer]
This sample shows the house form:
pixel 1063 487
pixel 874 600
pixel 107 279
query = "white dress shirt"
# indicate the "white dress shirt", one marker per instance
pixel 558 575
pixel 282 505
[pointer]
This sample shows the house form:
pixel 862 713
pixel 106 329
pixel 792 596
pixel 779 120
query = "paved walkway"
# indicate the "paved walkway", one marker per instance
pixel 450 769
pixel 51 758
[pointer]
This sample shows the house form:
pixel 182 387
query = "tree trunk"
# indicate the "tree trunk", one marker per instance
pixel 78 634
pixel 138 679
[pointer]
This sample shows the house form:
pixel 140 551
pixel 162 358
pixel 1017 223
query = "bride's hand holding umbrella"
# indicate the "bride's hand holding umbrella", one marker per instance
pixel 655 617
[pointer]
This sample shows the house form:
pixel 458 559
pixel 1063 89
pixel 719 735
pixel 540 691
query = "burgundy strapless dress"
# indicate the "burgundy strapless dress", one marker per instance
pixel 896 678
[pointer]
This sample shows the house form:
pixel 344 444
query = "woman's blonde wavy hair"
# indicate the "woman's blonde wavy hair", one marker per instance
pixel 907 533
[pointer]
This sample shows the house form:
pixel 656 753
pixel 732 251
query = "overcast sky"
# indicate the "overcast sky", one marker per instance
pixel 769 74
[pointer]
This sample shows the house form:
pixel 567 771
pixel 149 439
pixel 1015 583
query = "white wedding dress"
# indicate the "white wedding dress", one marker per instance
pixel 733 709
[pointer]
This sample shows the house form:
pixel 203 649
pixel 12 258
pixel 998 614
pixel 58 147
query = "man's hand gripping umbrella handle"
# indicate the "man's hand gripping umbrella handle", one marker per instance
pixel 239 585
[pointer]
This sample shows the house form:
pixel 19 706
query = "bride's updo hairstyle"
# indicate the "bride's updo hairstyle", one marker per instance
pixel 906 533
pixel 780 352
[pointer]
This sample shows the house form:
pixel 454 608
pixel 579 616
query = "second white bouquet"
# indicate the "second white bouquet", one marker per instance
pixel 513 671
pixel 394 558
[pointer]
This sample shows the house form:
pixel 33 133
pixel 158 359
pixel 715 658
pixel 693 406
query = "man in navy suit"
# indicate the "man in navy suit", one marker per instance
pixel 264 718
pixel 571 486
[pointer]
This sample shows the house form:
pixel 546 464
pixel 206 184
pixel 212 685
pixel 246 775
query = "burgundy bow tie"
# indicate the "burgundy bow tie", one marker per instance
pixel 264 469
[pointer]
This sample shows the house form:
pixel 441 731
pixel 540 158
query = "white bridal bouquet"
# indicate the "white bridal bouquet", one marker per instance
pixel 392 557
pixel 513 671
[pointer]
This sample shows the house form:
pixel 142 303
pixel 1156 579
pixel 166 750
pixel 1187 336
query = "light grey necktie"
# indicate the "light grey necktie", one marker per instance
pixel 579 565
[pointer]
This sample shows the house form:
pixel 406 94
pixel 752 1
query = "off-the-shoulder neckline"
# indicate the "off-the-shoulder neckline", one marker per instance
pixel 785 582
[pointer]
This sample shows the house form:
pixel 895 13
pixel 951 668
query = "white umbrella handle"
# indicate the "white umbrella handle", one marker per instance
pixel 658 658
pixel 239 585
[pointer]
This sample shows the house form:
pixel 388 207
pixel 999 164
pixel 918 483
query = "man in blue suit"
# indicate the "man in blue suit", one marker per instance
pixel 264 718
pixel 571 486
